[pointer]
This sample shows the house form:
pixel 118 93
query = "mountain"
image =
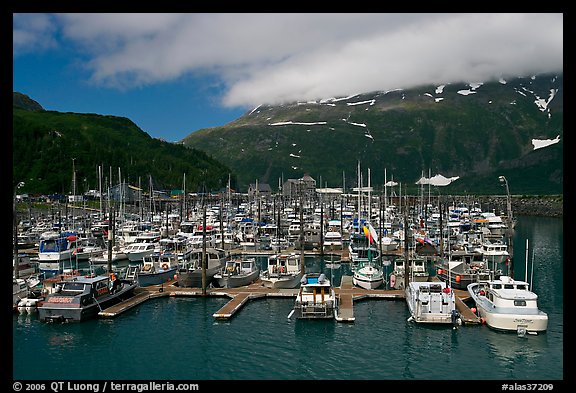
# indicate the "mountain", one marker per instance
pixel 48 146
pixel 474 131
pixel 20 100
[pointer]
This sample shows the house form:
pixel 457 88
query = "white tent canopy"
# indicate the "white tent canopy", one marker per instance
pixel 438 180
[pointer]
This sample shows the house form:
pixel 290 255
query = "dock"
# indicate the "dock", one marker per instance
pixel 347 293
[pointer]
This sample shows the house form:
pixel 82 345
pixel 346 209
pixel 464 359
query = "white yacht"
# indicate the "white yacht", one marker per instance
pixel 509 305
pixel 432 302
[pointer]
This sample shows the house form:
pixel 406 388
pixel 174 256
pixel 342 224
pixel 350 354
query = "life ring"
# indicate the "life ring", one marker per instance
pixel 230 269
pixel 282 269
pixel 164 266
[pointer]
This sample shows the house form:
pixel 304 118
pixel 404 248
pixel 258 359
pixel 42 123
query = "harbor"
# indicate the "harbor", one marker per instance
pixel 150 339
pixel 346 292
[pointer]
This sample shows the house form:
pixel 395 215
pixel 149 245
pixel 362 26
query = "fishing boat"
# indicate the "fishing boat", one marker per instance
pixel 26 267
pixel 54 250
pixel 87 247
pixel 190 271
pixel 27 301
pixel 157 268
pixel 432 302
pixel 316 298
pixel 418 271
pixel 237 273
pixel 20 290
pixel 118 254
pixel 146 244
pixel 83 297
pixel 283 271
pixel 495 251
pixel 459 274
pixel 508 305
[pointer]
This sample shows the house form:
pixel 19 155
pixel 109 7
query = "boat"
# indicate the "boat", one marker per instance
pixel 389 243
pixel 237 273
pixel 316 298
pixel 333 236
pixel 508 305
pixel 26 267
pixel 459 274
pixel 157 268
pixel 368 275
pixel 118 254
pixel 495 252
pixel 418 271
pixel 20 290
pixel 55 248
pixel 146 243
pixel 27 301
pixel 283 271
pixel 81 298
pixel 86 247
pixel 190 271
pixel 432 302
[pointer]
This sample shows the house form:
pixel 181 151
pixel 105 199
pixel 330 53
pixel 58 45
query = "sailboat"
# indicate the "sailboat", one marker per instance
pixel 367 273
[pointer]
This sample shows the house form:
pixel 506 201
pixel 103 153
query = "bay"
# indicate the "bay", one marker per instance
pixel 176 338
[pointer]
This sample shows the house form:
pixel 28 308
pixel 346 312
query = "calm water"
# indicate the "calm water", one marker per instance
pixel 178 339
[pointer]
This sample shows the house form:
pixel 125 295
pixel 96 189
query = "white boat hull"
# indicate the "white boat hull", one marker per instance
pixel 368 277
pixel 507 317
pixel 514 322
pixel 287 281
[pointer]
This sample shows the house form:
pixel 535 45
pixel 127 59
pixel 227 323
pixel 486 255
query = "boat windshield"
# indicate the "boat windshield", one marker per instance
pixel 72 288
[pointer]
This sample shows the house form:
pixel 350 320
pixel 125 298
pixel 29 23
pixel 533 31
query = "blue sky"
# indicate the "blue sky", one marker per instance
pixel 173 74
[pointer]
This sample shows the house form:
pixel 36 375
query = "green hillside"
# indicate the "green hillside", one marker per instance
pixel 476 132
pixel 47 144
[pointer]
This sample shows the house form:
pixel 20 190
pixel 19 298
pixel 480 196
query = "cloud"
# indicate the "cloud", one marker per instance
pixel 275 58
pixel 33 33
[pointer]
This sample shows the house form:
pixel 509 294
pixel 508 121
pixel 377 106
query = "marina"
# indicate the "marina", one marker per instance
pixel 180 325
pixel 196 302
pixel 347 294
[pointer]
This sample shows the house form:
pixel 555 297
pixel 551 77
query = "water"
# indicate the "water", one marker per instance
pixel 178 339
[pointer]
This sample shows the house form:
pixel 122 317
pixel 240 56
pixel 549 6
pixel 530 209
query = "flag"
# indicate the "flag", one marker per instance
pixel 368 234
pixel 373 233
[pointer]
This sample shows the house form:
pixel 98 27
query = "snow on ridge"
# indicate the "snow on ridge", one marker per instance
pixel 333 99
pixel 440 89
pixel 355 124
pixel 542 103
pixel 284 123
pixel 371 102
pixel 466 92
pixel 540 143
pixel 252 111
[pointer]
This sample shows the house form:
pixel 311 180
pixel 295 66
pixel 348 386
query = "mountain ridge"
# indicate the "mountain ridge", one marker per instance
pixel 477 131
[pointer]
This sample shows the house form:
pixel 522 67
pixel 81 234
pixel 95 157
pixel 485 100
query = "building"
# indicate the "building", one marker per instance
pixel 262 189
pixel 292 187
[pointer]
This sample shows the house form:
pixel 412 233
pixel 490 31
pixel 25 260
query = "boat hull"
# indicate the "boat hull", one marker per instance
pixel 507 319
pixel 193 278
pixel 73 312
pixel 287 281
pixel 156 278
pixel 367 283
pixel 368 277
pixel 235 281
pixel 431 303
